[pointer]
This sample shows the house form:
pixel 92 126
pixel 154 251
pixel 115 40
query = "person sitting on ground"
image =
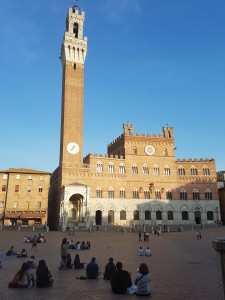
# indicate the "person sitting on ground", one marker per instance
pixel 141 252
pixel 71 245
pixel 148 252
pixel 92 269
pixel 23 253
pixel 43 275
pixel 11 251
pixel 88 245
pixel 77 264
pixel 83 246
pixel 77 246
pixel 22 276
pixel 143 281
pixel 120 279
pixel 109 268
pixel 68 261
pixel 32 267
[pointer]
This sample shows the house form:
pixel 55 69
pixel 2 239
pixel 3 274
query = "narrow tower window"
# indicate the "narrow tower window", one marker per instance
pixel 75 29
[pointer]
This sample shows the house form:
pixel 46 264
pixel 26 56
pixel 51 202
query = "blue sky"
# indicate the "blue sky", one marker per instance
pixel 149 63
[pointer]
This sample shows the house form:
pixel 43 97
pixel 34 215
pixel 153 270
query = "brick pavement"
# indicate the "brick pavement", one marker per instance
pixel 181 267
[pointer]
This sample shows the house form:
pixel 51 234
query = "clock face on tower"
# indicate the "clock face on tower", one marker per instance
pixel 73 148
pixel 149 150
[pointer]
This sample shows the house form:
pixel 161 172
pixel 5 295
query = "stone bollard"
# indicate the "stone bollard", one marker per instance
pixel 219 245
pixel 33 228
pixel 19 228
pixel 168 228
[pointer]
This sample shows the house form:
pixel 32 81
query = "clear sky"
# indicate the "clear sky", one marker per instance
pixel 149 63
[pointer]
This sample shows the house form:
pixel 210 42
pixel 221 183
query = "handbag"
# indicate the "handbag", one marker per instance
pixel 13 283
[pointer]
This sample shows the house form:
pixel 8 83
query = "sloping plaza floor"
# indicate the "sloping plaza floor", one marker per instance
pixel 181 267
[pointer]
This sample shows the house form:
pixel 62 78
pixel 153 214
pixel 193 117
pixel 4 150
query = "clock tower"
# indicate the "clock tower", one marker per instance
pixel 73 53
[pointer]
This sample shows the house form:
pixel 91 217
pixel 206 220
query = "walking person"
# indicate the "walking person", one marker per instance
pixel 34 242
pixel 139 236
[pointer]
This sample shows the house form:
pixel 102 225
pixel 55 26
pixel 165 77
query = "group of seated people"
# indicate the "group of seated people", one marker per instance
pixel 40 238
pixel 142 252
pixel 76 264
pixel 79 245
pixel 120 279
pixel 26 275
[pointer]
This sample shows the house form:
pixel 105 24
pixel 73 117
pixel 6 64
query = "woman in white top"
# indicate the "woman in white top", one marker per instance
pixel 143 281
pixel 22 276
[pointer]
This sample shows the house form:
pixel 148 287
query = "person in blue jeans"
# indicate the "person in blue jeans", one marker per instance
pixel 92 269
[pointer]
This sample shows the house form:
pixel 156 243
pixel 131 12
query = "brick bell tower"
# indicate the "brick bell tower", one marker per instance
pixel 73 53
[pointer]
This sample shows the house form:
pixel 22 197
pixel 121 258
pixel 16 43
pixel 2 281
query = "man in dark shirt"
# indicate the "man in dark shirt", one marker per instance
pixel 109 268
pixel 120 280
pixel 92 270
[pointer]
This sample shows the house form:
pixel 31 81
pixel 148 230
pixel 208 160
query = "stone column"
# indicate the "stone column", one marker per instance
pixel 219 245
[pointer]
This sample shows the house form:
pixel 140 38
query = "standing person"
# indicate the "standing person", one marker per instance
pixel 109 268
pixel 44 276
pixel 143 281
pixel 199 235
pixel 63 252
pixel 92 269
pixel 1 258
pixel 120 279
pixel 34 242
pixel 139 236
pixel 22 276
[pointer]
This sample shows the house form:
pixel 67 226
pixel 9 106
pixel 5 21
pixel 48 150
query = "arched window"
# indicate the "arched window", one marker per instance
pixel 135 194
pixel 158 215
pixel 210 216
pixel 166 171
pixel 181 171
pixel 123 215
pixel 136 215
pixel 99 192
pixel 147 215
pixel 146 194
pixel 134 169
pixel 196 195
pixel 121 168
pixel 206 171
pixel 194 171
pixel 157 194
pixel 185 215
pixel 208 195
pixel 170 215
pixel 145 170
pixel 156 170
pixel 168 195
pixel 122 193
pixel 111 168
pixel 110 193
pixel 99 167
pixel 183 195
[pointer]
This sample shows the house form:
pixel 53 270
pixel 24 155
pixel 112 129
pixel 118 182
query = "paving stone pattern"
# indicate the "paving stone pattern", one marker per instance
pixel 181 267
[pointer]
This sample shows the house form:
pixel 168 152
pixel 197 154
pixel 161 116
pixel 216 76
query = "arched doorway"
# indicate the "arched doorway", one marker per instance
pixel 75 208
pixel 197 217
pixel 110 217
pixel 98 217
